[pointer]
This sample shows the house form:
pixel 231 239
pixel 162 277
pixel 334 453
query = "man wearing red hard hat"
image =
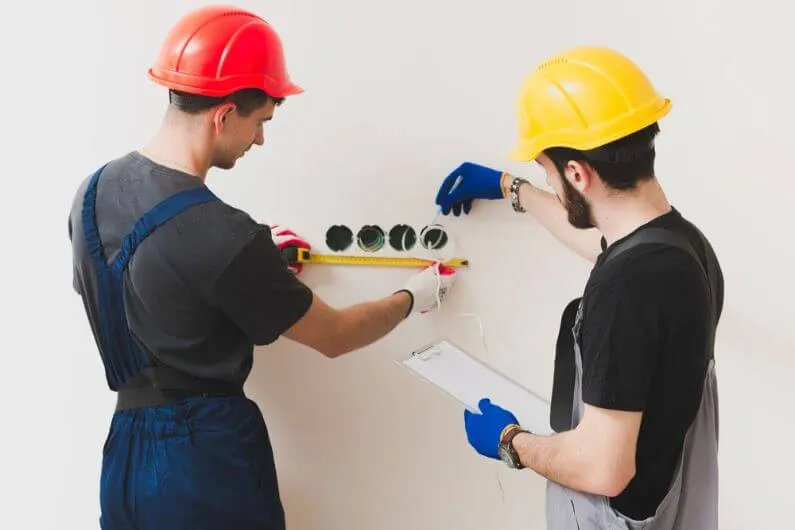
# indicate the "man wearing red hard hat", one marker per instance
pixel 179 288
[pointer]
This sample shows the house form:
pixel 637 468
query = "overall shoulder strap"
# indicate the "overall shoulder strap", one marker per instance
pixel 90 231
pixel 159 215
pixel 668 237
pixel 654 235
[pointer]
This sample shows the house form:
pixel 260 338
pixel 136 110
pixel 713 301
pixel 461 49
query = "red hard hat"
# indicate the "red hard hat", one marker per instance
pixel 217 50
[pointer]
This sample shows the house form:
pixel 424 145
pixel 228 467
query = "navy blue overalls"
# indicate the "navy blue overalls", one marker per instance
pixel 182 452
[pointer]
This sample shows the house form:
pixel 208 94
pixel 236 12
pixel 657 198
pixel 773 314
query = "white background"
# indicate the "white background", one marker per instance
pixel 397 95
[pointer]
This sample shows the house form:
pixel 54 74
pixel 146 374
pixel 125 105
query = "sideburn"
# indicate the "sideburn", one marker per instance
pixel 578 209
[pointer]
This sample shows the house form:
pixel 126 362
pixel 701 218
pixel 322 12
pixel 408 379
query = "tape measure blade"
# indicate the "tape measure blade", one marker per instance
pixel 331 259
pixel 367 260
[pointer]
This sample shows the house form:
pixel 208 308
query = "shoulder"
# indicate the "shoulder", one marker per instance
pixel 652 276
pixel 651 267
pixel 652 259
pixel 212 235
pixel 108 170
pixel 196 247
pixel 224 226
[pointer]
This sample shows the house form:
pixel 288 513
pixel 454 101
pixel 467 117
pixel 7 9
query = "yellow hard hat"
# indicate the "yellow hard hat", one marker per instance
pixel 584 98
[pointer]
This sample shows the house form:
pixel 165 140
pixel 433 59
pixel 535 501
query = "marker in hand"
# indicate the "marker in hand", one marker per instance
pixel 458 180
pixel 455 185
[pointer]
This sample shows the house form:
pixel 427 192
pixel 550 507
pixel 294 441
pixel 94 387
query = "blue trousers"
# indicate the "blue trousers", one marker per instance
pixel 200 464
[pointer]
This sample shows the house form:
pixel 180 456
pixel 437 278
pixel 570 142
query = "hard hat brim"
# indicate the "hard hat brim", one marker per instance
pixel 183 83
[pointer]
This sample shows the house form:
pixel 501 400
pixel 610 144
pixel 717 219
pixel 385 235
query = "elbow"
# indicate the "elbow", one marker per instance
pixel 344 335
pixel 611 480
pixel 333 348
pixel 326 330
pixel 329 346
pixel 336 343
pixel 331 336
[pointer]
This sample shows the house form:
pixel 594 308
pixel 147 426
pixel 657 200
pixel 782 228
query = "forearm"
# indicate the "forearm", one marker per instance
pixel 364 323
pixel 547 209
pixel 565 460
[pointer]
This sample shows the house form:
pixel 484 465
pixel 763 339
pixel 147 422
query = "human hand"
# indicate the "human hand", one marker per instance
pixel 467 182
pixel 284 238
pixel 429 287
pixel 484 430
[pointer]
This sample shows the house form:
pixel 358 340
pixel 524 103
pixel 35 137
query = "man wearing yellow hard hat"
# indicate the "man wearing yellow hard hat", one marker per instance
pixel 634 402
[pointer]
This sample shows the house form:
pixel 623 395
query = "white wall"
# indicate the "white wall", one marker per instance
pixel 398 93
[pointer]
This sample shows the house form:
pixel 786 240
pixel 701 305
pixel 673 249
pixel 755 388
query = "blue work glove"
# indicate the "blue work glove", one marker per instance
pixel 483 430
pixel 468 182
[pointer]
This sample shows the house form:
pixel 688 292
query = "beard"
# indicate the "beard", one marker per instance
pixel 578 209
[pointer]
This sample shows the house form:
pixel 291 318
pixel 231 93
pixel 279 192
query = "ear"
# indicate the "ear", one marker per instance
pixel 220 115
pixel 579 175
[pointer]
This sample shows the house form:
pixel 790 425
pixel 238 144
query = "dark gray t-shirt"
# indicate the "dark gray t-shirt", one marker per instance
pixel 203 288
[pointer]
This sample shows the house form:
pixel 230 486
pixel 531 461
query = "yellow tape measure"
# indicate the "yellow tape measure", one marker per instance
pixel 302 255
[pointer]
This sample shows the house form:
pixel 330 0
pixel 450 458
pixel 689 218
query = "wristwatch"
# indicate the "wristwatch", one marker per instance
pixel 506 450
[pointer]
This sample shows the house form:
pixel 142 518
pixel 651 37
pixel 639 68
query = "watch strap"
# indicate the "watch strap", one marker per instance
pixel 506 440
pixel 507 429
pixel 511 434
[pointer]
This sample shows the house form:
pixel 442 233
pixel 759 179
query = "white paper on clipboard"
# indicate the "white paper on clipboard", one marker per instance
pixel 467 379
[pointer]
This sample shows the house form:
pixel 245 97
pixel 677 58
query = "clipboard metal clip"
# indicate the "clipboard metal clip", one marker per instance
pixel 426 352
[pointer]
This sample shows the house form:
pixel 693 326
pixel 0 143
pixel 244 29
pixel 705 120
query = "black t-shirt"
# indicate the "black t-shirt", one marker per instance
pixel 644 348
pixel 203 289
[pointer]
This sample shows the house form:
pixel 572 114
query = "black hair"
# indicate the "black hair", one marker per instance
pixel 621 164
pixel 246 100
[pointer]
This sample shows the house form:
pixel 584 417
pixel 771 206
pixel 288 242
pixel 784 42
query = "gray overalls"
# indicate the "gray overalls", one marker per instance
pixel 692 499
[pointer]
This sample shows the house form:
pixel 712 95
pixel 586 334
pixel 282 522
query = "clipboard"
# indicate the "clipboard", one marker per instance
pixel 467 380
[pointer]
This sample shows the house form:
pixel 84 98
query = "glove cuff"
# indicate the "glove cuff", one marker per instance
pixel 411 300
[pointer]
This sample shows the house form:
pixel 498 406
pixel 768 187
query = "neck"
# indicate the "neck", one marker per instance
pixel 622 213
pixel 180 144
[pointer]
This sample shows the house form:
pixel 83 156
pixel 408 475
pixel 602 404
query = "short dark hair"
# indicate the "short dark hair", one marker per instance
pixel 247 101
pixel 621 164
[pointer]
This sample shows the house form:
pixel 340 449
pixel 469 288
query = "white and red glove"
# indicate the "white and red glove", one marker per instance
pixel 429 287
pixel 283 238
